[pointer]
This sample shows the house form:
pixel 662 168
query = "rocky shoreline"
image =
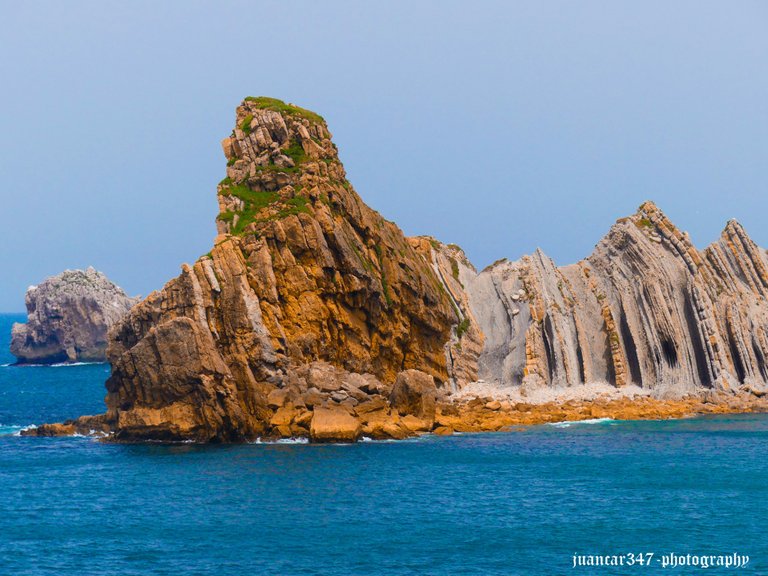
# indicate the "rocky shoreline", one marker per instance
pixel 326 404
pixel 373 421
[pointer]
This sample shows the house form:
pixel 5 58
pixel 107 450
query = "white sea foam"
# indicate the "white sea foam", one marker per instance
pixel 14 430
pixel 569 423
pixel 92 435
pixel 65 364
pixel 292 441
pixel 57 365
pixel 282 441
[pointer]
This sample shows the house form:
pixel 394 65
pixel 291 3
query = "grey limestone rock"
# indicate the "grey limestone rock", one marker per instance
pixel 69 316
pixel 646 309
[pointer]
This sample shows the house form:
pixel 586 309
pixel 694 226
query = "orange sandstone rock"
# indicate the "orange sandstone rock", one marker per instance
pixel 334 425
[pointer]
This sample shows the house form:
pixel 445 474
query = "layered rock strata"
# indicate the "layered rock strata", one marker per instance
pixel 69 316
pixel 315 317
pixel 646 309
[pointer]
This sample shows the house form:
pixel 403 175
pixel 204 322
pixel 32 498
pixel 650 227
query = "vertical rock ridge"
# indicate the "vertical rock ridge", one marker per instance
pixel 453 269
pixel 646 308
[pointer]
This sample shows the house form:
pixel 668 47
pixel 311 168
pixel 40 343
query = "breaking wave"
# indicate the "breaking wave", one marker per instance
pixel 57 365
pixel 569 423
pixel 282 441
pixel 13 430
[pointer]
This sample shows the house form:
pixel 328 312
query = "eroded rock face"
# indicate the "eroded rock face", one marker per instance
pixel 69 316
pixel 645 309
pixel 305 282
pixel 414 394
pixel 466 342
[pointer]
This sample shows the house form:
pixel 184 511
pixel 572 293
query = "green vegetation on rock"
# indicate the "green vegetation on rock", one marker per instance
pixel 275 168
pixel 363 260
pixel 455 269
pixel 384 283
pixel 295 206
pixel 296 153
pixel 255 202
pixel 245 125
pixel 266 103
pixel 462 327
pixel 491 266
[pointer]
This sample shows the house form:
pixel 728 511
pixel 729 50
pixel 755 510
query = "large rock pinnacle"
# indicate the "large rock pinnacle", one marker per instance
pixel 303 271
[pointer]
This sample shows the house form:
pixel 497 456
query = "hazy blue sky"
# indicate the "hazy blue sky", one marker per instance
pixel 500 126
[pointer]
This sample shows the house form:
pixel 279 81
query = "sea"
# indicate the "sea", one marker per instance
pixel 566 499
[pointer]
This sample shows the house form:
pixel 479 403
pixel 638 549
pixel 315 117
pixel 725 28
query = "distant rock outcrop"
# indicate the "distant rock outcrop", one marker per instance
pixel 69 316
pixel 313 316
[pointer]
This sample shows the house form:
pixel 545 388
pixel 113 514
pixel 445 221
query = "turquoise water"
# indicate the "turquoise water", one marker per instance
pixel 519 503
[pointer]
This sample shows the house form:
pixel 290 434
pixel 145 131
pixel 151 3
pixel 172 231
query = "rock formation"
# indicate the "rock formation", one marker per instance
pixel 302 273
pixel 69 316
pixel 645 309
pixel 414 394
pixel 314 316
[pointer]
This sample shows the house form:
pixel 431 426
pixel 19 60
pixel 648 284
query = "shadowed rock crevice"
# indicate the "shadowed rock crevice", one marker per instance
pixel 548 336
pixel 760 358
pixel 703 370
pixel 738 363
pixel 670 352
pixel 580 358
pixel 631 350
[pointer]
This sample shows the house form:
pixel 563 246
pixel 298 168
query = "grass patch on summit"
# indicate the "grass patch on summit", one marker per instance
pixel 266 103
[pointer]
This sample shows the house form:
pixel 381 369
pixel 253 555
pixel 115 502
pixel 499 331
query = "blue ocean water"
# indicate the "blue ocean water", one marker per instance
pixel 518 503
